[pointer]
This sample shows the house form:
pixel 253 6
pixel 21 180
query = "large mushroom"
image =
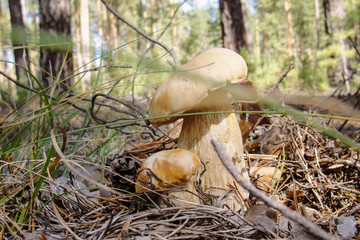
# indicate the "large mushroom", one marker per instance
pixel 198 87
pixel 176 170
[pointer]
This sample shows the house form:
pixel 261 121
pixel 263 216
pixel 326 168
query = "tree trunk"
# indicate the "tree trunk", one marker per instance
pixel 18 38
pixel 335 17
pixel 290 31
pixel 76 35
pixel 55 20
pixel 248 37
pixel 114 24
pixel 257 41
pixel 234 23
pixel 326 6
pixel 100 13
pixel 2 42
pixel 85 42
pixel 152 18
pixel 111 34
pixel 317 21
pixel 6 85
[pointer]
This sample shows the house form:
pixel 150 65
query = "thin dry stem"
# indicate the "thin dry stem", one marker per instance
pixel 309 226
pixel 141 32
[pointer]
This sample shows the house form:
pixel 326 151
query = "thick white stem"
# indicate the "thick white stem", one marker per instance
pixel 196 134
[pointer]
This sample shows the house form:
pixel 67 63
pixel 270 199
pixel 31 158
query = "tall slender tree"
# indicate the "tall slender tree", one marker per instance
pixel 84 41
pixel 235 30
pixel 21 53
pixel 335 17
pixel 6 85
pixel 257 41
pixel 318 29
pixel 290 32
pixel 56 62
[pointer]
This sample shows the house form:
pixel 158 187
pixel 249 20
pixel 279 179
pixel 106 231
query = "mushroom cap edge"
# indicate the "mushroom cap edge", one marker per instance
pixel 183 90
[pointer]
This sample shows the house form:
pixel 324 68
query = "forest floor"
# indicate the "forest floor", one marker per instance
pixel 312 174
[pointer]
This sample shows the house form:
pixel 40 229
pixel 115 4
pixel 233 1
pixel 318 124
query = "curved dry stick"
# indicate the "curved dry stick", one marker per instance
pixel 283 75
pixel 37 92
pixel 354 45
pixel 309 226
pixel 69 94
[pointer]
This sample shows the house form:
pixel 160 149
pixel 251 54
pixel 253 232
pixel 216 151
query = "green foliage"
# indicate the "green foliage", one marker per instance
pixel 198 36
pixel 310 64
pixel 194 29
pixel 26 143
pixel 352 7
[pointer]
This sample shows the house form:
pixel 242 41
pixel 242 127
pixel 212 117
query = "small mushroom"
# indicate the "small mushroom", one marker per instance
pixel 170 169
pixel 198 87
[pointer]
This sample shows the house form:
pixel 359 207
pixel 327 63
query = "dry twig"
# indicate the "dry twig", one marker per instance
pixel 141 32
pixel 283 75
pixel 309 226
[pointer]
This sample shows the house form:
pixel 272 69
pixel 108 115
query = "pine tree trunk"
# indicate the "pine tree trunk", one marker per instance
pixel 100 12
pixel 317 22
pixel 107 30
pixel 55 20
pixel 111 34
pixel 85 42
pixel 335 17
pixel 76 35
pixel 152 16
pixel 3 43
pixel 6 86
pixel 113 25
pixel 257 41
pixel 18 38
pixel 290 31
pixel 234 23
pixel 248 37
pixel 326 6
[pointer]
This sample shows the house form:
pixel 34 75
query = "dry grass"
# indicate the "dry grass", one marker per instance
pixel 319 179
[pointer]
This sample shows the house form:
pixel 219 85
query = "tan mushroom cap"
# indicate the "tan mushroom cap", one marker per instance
pixel 206 72
pixel 175 166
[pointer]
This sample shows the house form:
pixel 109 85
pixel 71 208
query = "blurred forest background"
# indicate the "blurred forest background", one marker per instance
pixel 317 35
pixel 94 64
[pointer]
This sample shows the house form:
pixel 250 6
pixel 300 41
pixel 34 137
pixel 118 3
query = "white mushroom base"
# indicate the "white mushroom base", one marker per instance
pixel 172 172
pixel 185 196
pixel 196 134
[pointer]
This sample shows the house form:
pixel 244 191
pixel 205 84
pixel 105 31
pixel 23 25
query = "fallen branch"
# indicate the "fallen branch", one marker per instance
pixel 283 75
pixel 354 45
pixel 309 226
